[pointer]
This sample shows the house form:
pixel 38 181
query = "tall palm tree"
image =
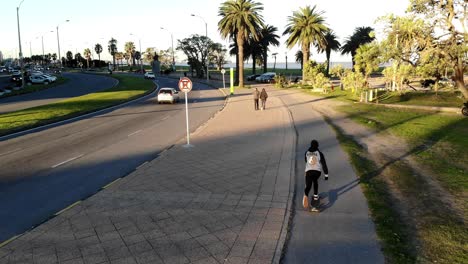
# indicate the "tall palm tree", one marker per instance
pixel 242 17
pixel 331 44
pixel 268 37
pixel 112 48
pixel 306 26
pixel 361 35
pixel 98 50
pixel 252 49
pixel 87 55
pixel 130 51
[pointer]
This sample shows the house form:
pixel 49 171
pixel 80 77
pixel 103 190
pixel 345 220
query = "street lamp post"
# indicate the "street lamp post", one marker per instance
pixel 139 42
pixel 58 44
pixel 286 54
pixel 274 65
pixel 207 55
pixel 19 42
pixel 172 45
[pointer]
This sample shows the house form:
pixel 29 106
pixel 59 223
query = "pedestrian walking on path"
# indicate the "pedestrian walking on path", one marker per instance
pixel 315 163
pixel 256 96
pixel 263 97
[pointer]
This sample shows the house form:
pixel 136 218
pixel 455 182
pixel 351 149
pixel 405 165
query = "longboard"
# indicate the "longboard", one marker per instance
pixel 315 206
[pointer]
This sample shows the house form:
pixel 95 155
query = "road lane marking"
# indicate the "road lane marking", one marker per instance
pixel 68 160
pixel 165 118
pixel 134 133
pixel 11 151
pixel 68 207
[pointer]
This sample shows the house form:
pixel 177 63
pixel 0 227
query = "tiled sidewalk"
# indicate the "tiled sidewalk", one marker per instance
pixel 225 200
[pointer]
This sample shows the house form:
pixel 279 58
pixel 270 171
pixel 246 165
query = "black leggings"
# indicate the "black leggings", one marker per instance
pixel 312 176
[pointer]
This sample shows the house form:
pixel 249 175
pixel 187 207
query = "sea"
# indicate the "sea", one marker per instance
pixel 282 65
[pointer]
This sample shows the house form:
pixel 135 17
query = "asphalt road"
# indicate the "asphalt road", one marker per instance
pixel 78 84
pixel 45 171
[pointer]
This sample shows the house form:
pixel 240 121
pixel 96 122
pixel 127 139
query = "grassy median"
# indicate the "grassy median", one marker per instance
pixel 129 87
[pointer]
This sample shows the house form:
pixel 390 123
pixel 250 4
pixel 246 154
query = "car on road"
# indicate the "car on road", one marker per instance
pixel 149 75
pixel 168 95
pixel 37 79
pixel 252 77
pixel 49 77
pixel 268 77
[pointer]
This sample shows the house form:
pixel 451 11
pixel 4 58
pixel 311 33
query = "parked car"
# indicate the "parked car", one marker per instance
pixel 252 77
pixel 169 95
pixel 49 77
pixel 3 69
pixel 447 82
pixel 149 75
pixel 268 77
pixel 37 79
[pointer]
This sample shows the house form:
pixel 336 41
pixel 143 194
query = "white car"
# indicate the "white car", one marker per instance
pixel 169 95
pixel 149 75
pixel 38 79
pixel 49 77
pixel 267 77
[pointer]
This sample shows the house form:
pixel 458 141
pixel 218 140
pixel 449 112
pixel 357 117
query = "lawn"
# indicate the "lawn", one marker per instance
pixel 129 87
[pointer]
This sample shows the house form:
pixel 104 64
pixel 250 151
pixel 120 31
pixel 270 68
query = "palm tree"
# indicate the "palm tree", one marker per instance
pixel 87 54
pixel 130 51
pixel 242 17
pixel 361 35
pixel 299 58
pixel 331 44
pixel 112 48
pixel 268 37
pixel 306 26
pixel 98 50
pixel 252 49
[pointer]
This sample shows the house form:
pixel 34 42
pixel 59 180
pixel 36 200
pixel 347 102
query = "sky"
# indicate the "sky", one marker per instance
pixel 140 21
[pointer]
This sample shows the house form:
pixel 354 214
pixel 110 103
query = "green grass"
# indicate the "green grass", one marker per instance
pixel 35 88
pixel 129 87
pixel 393 232
pixel 441 99
pixel 437 140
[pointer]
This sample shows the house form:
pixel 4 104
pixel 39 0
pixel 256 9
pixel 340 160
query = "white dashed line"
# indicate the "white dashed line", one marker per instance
pixel 136 132
pixel 141 165
pixel 68 160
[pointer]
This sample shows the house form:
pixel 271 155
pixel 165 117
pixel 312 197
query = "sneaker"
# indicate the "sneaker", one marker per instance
pixel 316 197
pixel 305 202
pixel 314 209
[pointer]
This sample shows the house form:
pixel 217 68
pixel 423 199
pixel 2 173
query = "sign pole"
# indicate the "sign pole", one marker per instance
pixel 186 118
pixel 223 71
pixel 232 81
pixel 185 85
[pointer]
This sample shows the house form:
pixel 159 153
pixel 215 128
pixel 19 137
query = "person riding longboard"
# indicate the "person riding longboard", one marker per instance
pixel 315 164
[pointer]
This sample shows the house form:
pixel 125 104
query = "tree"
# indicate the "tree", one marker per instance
pixel 138 57
pixel 305 27
pixel 368 58
pixel 112 48
pixel 148 55
pixel 253 49
pixel 268 37
pixel 361 36
pixel 119 56
pixel 217 55
pixel 54 56
pixel 241 17
pixel 448 18
pixel 331 43
pixel 195 50
pixel 98 50
pixel 69 58
pixel 300 58
pixel 130 52
pixel 87 54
